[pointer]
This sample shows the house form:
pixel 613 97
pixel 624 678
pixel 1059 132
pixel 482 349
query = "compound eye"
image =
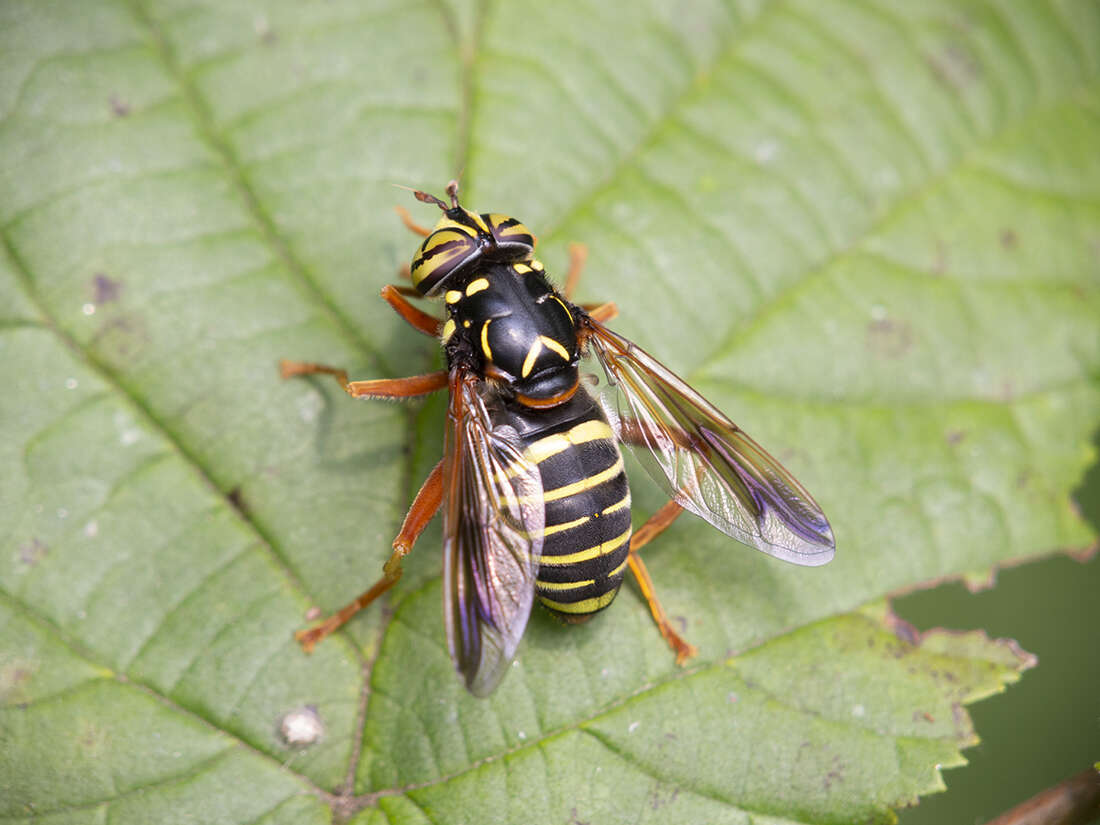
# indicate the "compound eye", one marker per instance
pixel 509 233
pixel 443 253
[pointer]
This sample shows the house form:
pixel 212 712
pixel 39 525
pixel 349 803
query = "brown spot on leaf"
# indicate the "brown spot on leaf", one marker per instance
pixel 956 437
pixel 32 552
pixel 264 31
pixel 888 338
pixel 902 629
pixel 658 800
pixel 954 65
pixel 1009 239
pixel 834 774
pixel 236 498
pixel 104 289
pixel 14 677
pixel 92 739
pixel 939 263
pixel 119 107
pixel 122 338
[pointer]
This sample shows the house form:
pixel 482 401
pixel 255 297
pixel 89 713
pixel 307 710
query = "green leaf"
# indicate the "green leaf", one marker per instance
pixel 868 231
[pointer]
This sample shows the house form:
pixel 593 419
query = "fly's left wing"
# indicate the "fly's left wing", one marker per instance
pixel 492 539
pixel 705 461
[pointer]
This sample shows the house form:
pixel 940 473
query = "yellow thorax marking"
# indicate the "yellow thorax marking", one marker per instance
pixel 477 285
pixel 453 296
pixel 536 348
pixel 532 354
pixel 522 269
pixel 568 314
pixel 554 346
pixel 485 339
pixel 448 330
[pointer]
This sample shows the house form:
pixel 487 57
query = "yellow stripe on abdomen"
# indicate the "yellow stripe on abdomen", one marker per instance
pixel 583 606
pixel 551 445
pixel 585 483
pixel 587 554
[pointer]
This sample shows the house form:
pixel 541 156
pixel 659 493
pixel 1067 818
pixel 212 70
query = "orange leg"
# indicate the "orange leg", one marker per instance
pixel 601 312
pixel 424 506
pixel 420 320
pixel 412 225
pixel 409 387
pixel 578 254
pixel 657 523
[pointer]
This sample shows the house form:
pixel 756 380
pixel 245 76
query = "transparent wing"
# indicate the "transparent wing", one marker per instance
pixel 492 539
pixel 704 461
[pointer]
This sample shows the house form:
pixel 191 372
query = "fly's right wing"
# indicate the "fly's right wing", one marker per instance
pixel 493 523
pixel 705 462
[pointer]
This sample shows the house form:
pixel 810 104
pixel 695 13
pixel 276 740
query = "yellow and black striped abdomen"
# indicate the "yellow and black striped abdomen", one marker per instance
pixel 587 506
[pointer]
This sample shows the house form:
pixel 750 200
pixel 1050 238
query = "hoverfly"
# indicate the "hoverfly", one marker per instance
pixel 535 500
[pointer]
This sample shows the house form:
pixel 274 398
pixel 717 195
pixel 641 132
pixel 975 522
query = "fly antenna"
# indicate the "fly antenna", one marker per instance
pixel 423 197
pixel 452 190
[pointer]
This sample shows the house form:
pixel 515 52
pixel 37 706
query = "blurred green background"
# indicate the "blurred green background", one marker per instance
pixel 1052 608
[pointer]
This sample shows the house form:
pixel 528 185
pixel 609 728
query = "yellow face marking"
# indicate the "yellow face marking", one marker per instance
pixel 477 285
pixel 583 606
pixel 582 485
pixel 498 221
pixel 426 267
pixel 451 232
pixel 485 339
pixel 532 354
pixel 554 346
pixel 477 219
pixel 466 324
pixel 536 265
pixel 563 585
pixel 447 223
pixel 554 444
pixel 453 296
pixel 436 238
pixel 522 269
pixel 448 330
